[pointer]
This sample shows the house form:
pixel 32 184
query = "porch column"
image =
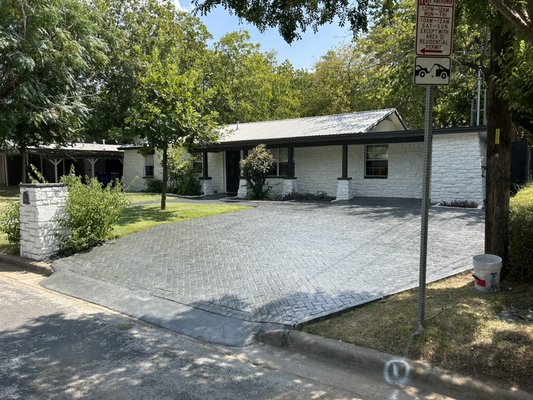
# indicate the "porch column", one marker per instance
pixel 207 183
pixel 243 184
pixel 289 183
pixel 344 183
pixel 56 162
pixel 92 161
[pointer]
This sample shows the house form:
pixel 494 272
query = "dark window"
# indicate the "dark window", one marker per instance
pixel 376 161
pixel 281 162
pixel 149 165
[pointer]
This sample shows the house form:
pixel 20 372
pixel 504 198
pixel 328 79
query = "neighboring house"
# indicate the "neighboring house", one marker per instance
pixel 100 160
pixel 363 154
pixel 140 167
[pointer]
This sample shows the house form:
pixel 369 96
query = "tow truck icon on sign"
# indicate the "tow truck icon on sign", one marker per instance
pixel 432 71
pixel 440 71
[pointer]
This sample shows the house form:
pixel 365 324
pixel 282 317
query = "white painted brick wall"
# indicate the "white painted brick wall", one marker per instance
pixel 39 219
pixel 404 176
pixel 456 168
pixel 133 172
pixel 317 168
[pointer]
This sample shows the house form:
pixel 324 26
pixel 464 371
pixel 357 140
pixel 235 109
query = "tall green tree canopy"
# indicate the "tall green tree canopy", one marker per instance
pixel 48 52
pixel 249 84
pixel 169 102
pixel 376 71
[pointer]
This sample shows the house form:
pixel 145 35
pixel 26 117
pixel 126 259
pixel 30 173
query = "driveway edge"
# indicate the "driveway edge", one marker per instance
pixel 40 267
pixel 375 362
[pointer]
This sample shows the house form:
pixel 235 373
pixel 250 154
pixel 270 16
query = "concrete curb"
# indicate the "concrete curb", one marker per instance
pixel 40 267
pixel 406 372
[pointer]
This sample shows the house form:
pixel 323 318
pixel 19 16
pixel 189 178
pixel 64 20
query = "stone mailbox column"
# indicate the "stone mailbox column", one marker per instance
pixel 41 208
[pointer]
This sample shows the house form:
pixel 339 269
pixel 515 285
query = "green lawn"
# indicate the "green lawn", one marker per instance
pixel 139 216
pixel 136 198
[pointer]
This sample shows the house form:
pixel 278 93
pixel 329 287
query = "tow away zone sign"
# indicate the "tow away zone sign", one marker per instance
pixel 434 27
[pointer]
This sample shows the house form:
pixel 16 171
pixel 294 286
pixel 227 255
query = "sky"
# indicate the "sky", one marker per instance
pixel 301 53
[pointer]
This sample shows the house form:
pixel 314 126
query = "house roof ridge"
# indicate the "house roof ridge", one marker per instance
pixel 388 110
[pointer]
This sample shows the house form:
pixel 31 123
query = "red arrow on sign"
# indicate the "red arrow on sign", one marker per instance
pixel 430 51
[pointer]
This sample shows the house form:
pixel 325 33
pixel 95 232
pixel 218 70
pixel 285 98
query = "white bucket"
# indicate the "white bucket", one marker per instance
pixel 487 269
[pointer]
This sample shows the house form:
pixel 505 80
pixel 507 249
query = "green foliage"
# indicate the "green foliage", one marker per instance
pixel 255 169
pixel 10 223
pixel 521 235
pixel 293 17
pixel 91 213
pixel 183 178
pixel 248 84
pixel 376 71
pixel 154 185
pixel 49 50
pixel 36 176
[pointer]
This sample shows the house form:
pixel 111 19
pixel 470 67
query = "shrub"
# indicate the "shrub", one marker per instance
pixel 521 235
pixel 154 186
pixel 187 183
pixel 459 203
pixel 318 196
pixel 10 223
pixel 255 169
pixel 182 175
pixel 91 213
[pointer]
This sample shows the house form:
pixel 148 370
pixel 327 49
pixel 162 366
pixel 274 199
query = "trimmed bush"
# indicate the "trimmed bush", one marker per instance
pixel 521 235
pixel 154 186
pixel 92 211
pixel 255 169
pixel 10 223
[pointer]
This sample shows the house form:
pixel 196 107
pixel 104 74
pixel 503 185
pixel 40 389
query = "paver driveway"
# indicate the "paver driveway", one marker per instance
pixel 287 262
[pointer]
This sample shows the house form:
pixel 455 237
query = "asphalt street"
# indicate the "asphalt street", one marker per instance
pixel 56 347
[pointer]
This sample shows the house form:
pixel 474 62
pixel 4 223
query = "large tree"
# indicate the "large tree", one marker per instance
pixel 249 85
pixel 168 101
pixel 48 52
pixel 376 71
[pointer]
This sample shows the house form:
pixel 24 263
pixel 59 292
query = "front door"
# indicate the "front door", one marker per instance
pixel 233 171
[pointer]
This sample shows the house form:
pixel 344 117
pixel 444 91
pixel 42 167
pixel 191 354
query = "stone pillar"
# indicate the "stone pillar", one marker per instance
pixel 344 189
pixel 289 186
pixel 208 188
pixel 243 189
pixel 41 208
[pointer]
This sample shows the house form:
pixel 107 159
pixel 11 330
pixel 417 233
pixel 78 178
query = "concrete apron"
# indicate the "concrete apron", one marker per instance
pixel 171 315
pixel 397 371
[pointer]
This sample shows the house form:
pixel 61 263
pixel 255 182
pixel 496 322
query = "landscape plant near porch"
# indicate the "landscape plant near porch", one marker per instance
pixel 255 169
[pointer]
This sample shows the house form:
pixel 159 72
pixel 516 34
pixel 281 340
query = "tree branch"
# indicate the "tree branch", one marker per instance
pixel 521 22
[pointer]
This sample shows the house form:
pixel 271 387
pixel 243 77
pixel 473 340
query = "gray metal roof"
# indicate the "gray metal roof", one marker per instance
pixel 80 147
pixel 329 125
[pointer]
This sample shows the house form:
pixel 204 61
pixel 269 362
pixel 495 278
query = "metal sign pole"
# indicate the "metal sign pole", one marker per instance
pixel 428 139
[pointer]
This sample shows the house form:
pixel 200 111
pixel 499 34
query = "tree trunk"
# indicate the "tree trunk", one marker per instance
pixel 164 163
pixel 24 166
pixel 499 131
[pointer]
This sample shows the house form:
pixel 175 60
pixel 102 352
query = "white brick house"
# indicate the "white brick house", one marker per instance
pixel 364 154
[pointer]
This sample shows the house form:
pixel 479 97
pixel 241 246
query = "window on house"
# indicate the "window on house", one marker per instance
pixel 281 162
pixel 197 165
pixel 376 161
pixel 149 165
